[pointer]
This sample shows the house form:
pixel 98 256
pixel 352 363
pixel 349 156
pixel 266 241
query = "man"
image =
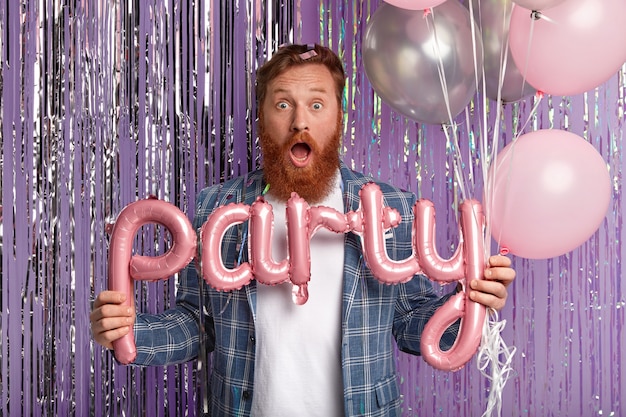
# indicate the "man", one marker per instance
pixel 332 356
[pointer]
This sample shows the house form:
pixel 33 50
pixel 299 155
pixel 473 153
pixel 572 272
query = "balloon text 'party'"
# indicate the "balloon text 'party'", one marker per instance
pixel 370 222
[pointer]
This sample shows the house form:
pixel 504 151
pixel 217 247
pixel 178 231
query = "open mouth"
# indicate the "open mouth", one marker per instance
pixel 300 154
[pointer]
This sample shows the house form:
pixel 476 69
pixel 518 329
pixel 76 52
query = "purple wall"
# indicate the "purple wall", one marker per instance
pixel 102 104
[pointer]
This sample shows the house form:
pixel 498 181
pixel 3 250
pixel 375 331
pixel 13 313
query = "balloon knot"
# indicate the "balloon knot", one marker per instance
pixel 108 226
pixel 427 12
pixel 535 15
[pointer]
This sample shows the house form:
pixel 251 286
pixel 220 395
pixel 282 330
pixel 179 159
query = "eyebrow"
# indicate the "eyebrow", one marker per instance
pixel 314 89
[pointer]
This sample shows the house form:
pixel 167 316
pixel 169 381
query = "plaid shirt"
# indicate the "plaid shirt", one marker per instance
pixel 372 312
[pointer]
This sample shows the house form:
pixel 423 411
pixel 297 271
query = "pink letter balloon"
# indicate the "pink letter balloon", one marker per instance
pixel 214 272
pixel 415 4
pixel 551 191
pixel 572 48
pixel 471 254
pixel 124 267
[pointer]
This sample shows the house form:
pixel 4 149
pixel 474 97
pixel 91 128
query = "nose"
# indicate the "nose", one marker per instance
pixel 300 120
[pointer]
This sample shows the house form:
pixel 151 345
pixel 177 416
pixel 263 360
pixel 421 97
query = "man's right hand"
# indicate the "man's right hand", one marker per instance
pixel 110 319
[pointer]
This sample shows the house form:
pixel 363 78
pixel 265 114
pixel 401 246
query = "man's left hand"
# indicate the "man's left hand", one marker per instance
pixel 492 290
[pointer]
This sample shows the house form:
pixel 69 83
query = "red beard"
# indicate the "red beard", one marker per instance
pixel 314 182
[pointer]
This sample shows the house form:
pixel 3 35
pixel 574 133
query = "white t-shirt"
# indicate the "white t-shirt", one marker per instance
pixel 298 347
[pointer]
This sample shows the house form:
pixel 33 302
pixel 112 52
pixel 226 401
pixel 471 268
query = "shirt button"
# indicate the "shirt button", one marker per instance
pixel 252 339
pixel 246 395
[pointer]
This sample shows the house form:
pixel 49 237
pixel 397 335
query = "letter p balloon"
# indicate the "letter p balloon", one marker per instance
pixel 124 267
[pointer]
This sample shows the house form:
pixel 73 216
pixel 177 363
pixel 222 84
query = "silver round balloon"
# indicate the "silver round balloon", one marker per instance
pixel 404 51
pixel 493 17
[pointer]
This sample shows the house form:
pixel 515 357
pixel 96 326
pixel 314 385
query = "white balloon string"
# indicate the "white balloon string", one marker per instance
pixel 490 182
pixel 494 357
pixel 473 25
pixel 489 158
pixel 483 138
pixel 494 361
pixel 471 138
pixel 480 82
pixel 528 47
pixel 504 48
pixel 440 67
pixel 452 140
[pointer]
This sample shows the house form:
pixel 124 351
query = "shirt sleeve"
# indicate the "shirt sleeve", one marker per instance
pixel 172 336
pixel 415 305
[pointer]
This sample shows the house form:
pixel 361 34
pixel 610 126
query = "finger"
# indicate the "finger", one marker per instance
pixel 493 288
pixel 108 329
pixel 504 275
pixel 499 260
pixel 109 297
pixel 111 323
pixel 488 300
pixel 111 311
pixel 107 337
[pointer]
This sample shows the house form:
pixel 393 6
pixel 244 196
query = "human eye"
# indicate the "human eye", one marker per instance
pixel 317 106
pixel 282 105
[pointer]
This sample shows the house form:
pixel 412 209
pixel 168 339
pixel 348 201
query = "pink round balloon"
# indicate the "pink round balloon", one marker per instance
pixel 415 4
pixel 551 191
pixel 574 47
pixel 538 4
